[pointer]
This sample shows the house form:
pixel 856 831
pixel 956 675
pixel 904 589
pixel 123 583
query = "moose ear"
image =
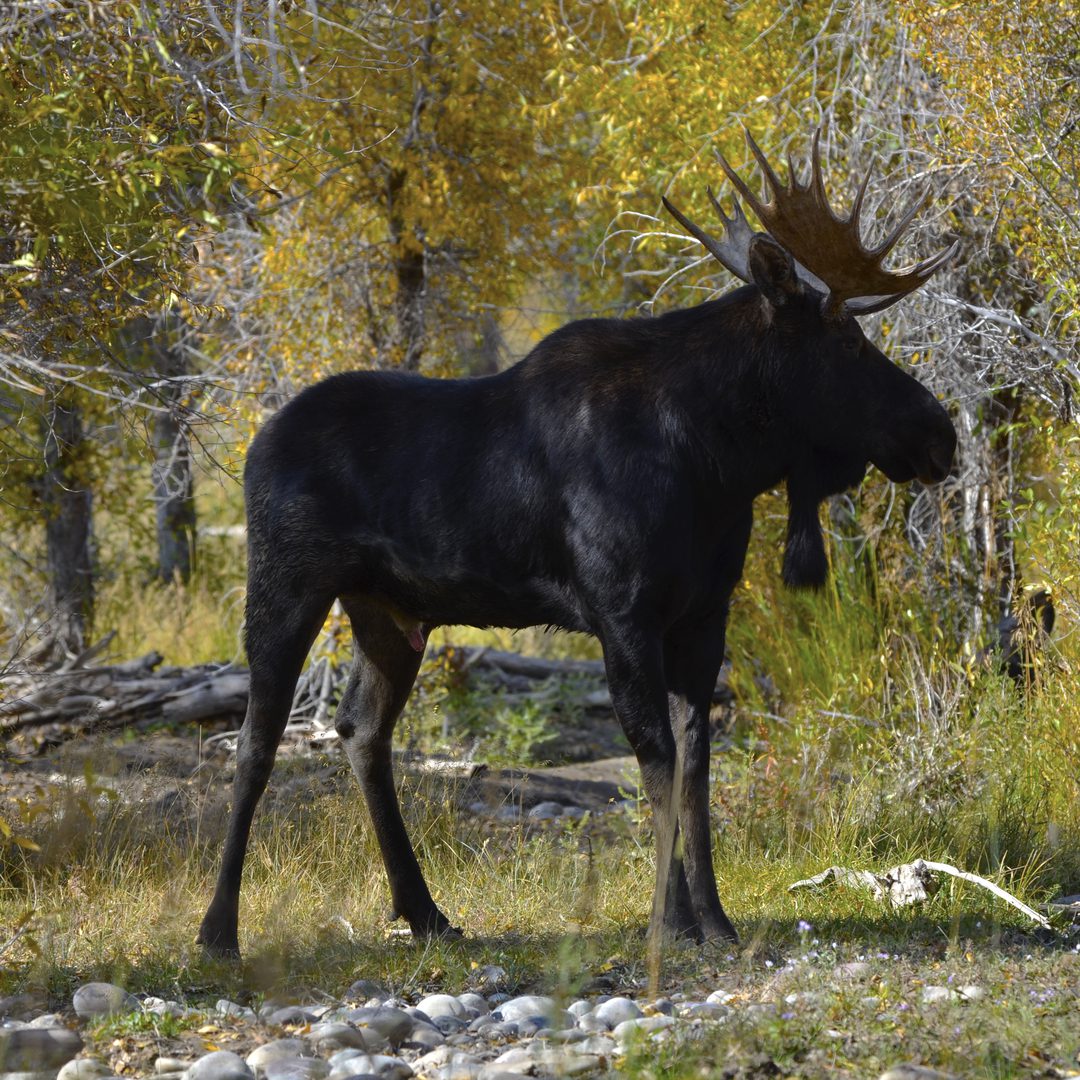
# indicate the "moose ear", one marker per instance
pixel 772 270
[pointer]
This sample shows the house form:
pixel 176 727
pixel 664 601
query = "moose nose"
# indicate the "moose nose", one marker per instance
pixel 938 455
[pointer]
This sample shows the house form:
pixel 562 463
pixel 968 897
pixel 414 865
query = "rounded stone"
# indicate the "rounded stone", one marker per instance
pixel 297 1068
pixel 37 1048
pixel 449 1025
pixel 389 1068
pixel 720 997
pixel 392 1024
pixel 84 1069
pixel 701 1010
pixel 220 1065
pixel 47 1020
pixel 475 1001
pixel 290 1015
pixel 600 1045
pixel 580 1008
pixel 98 999
pixel 530 1006
pixel 617 1009
pixel 592 1023
pixel 165 1065
pixel 436 1005
pixel 853 969
pixel 330 1036
pixel 546 811
pixel 276 1050
pixel 642 1026
pixel 365 990
pixel 427 1036
pixel 232 1011
pixel 914 1072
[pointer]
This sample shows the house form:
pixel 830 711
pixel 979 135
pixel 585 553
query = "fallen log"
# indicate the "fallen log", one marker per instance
pixel 143 691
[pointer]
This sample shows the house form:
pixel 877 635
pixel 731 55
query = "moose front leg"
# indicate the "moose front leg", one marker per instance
pixel 692 659
pixel 635 672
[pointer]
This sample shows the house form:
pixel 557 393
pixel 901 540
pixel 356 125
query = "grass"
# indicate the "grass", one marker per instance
pixel 862 739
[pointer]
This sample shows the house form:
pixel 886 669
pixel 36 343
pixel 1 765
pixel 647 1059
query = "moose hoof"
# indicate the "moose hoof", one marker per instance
pixel 720 931
pixel 217 946
pixel 436 930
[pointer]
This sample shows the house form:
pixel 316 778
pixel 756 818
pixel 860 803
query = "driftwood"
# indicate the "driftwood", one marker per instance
pixel 143 690
pixel 111 695
pixel 911 883
pixel 521 674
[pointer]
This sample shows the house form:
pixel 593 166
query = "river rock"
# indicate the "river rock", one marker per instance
pixel 392 1024
pixel 477 1003
pixel 98 999
pixel 910 1071
pixel 641 1027
pixel 532 1006
pixel 263 1055
pixel 220 1065
pixel 85 1069
pixel 381 1065
pixel 436 1005
pixel 330 1035
pixel 615 1010
pixel 297 1068
pixel 37 1048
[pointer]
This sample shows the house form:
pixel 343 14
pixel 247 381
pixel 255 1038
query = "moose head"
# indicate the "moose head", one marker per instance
pixel 844 403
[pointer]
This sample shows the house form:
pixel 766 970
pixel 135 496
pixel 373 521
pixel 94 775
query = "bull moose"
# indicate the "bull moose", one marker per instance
pixel 603 484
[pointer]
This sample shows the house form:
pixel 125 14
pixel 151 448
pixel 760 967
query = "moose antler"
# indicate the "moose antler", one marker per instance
pixel 828 249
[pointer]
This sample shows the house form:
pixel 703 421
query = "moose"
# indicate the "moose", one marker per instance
pixel 605 484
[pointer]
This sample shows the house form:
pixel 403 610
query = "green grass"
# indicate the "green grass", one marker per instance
pixel 864 737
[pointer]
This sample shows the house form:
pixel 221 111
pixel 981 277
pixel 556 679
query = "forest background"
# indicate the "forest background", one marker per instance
pixel 205 207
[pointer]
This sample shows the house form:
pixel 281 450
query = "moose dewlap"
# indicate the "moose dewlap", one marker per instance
pixel 604 484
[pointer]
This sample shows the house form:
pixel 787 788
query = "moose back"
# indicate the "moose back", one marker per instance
pixel 605 484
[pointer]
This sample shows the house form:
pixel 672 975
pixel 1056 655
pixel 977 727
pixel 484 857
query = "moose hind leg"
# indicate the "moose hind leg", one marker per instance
pixel 279 634
pixel 384 668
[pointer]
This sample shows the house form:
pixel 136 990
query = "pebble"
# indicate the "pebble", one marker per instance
pixel 855 969
pixel 394 1025
pixel 365 990
pixel 482 1034
pixel 98 999
pixel 85 1069
pixel 28 1048
pixel 328 1036
pixel 276 1050
pixel 615 1010
pixel 297 1068
pixel 530 1007
pixel 220 1065
pixel 914 1072
pixel 629 1030
pixel 436 1005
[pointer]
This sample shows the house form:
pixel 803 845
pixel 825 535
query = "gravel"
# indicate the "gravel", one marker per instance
pixel 468 1036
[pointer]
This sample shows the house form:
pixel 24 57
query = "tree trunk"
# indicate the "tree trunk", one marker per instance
pixel 174 501
pixel 156 346
pixel 68 505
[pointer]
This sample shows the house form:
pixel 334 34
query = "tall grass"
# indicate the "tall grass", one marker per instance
pixel 865 736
